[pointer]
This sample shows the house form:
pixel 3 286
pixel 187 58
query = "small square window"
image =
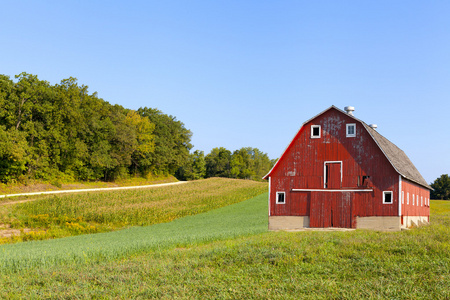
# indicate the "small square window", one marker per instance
pixel 315 131
pixel 387 197
pixel 280 198
pixel 351 130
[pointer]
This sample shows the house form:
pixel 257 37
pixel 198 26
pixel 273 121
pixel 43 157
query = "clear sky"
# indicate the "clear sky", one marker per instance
pixel 249 73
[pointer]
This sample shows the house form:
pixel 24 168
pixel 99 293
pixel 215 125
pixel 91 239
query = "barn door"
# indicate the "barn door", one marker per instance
pixel 341 210
pixel 331 209
pixel 332 175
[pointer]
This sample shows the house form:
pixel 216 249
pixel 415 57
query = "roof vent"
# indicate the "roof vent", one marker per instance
pixel 349 110
pixel 373 126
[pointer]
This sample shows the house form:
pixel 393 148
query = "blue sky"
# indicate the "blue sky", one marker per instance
pixel 249 73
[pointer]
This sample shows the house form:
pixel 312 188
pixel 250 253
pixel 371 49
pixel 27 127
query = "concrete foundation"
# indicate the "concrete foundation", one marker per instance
pixel 373 223
pixel 411 221
pixel 288 222
pixel 379 223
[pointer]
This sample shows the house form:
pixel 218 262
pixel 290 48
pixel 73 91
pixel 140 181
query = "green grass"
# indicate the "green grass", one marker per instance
pixel 227 222
pixel 220 263
pixel 74 214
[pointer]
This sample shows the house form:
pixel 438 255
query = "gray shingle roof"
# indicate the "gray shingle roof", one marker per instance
pixel 399 160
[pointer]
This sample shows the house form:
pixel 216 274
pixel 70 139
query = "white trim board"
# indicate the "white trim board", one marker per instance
pixel 332 190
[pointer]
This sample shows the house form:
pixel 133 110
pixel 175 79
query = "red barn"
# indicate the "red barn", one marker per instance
pixel 340 172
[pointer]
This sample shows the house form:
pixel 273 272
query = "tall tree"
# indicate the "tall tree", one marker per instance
pixel 13 147
pixel 172 143
pixel 195 167
pixel 441 188
pixel 218 163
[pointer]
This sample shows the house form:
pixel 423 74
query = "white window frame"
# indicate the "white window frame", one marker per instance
pixel 384 197
pixel 413 199
pixel 354 130
pixel 403 197
pixel 421 200
pixel 407 198
pixel 312 132
pixel 325 170
pixel 284 197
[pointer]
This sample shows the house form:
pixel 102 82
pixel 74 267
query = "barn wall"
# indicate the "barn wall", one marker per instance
pixel 418 210
pixel 302 167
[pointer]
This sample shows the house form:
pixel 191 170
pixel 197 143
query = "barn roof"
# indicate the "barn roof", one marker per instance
pixel 398 159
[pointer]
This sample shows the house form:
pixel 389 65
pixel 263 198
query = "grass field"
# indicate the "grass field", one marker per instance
pixel 39 186
pixel 226 222
pixel 228 254
pixel 74 214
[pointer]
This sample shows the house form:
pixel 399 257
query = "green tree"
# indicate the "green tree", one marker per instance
pixel 242 164
pixel 145 144
pixel 218 163
pixel 13 147
pixel 172 143
pixel 195 167
pixel 250 163
pixel 441 188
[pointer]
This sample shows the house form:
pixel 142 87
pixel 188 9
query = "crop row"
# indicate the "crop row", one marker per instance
pixel 231 221
pixel 73 214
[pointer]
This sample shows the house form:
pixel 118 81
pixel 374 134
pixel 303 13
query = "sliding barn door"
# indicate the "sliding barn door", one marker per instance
pixel 331 209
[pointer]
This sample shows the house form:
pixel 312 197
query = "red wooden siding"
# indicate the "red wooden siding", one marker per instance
pixel 420 207
pixel 333 175
pixel 303 166
pixel 331 209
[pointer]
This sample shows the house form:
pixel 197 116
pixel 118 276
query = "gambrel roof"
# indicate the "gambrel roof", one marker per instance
pixel 398 159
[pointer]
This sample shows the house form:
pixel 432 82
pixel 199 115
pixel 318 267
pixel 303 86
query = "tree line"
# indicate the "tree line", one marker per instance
pixel 61 131
pixel 245 163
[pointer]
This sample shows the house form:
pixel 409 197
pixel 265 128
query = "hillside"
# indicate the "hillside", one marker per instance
pixel 200 257
pixel 53 216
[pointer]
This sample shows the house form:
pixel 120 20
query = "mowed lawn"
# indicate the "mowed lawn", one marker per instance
pixel 227 253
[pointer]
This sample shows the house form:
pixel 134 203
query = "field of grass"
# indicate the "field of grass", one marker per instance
pixel 53 216
pixel 228 254
pixel 227 222
pixel 40 186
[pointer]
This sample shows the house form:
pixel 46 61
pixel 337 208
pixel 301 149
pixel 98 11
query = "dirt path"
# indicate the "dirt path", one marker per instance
pixel 83 191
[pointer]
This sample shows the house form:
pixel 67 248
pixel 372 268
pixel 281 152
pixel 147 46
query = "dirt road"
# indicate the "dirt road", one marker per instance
pixel 85 190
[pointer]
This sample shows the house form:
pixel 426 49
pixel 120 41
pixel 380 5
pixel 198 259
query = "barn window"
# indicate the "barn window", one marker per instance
pixel 281 198
pixel 351 130
pixel 387 197
pixel 365 180
pixel 407 198
pixel 315 131
pixel 403 197
pixel 413 199
pixel 421 201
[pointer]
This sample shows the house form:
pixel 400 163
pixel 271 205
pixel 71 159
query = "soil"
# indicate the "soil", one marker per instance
pixel 6 232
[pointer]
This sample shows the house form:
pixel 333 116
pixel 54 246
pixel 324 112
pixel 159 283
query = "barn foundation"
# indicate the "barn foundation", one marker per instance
pixel 412 221
pixel 288 222
pixel 381 223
